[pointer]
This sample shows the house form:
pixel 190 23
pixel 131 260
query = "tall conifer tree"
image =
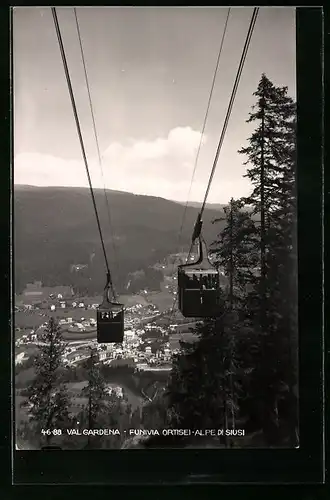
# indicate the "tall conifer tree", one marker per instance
pixel 47 395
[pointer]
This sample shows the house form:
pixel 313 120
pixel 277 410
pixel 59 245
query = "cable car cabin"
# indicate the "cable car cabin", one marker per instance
pixel 110 322
pixel 199 289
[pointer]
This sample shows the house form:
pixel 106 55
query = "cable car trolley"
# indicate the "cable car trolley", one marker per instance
pixel 110 318
pixel 199 294
pixel 110 314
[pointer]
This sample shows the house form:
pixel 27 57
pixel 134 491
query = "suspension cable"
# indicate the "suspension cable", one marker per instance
pixel 68 79
pixel 95 135
pixel 202 134
pixel 231 102
pixel 205 120
pixel 226 121
pixel 224 129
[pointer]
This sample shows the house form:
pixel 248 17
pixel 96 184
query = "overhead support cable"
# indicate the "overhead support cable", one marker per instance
pixel 205 119
pixel 199 221
pixel 203 128
pixel 231 102
pixel 95 135
pixel 74 108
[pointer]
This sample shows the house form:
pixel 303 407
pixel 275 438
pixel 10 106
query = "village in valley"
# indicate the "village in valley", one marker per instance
pixel 152 331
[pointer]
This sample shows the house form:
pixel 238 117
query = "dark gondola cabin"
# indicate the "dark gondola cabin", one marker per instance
pixel 110 322
pixel 199 291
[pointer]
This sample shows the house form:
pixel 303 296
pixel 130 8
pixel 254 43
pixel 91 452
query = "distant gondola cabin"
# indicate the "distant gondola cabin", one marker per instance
pixel 110 322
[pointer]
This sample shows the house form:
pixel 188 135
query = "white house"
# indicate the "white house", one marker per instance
pixel 117 390
pixel 20 358
pixel 102 355
pixel 76 356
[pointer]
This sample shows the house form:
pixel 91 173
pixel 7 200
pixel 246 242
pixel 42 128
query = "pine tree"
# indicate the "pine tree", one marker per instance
pixel 201 388
pixel 245 359
pixel 236 251
pixel 47 395
pixel 102 410
pixel 271 160
pixel 206 380
pixel 95 392
pixel 154 412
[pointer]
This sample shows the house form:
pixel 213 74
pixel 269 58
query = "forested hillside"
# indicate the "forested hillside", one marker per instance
pixel 55 227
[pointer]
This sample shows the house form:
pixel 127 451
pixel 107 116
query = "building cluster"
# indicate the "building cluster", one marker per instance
pixel 132 348
pixel 147 331
pixel 37 296
pixel 145 344
pixel 83 325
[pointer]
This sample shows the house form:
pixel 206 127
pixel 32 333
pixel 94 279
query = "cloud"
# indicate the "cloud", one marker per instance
pixel 160 167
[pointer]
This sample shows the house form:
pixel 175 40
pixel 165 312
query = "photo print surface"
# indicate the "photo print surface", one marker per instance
pixel 155 256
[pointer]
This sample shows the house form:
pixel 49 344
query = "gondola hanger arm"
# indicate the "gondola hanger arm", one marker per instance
pixel 108 287
pixel 197 228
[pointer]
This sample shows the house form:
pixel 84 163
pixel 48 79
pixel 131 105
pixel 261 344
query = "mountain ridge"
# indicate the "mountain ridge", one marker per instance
pixel 55 228
pixel 195 204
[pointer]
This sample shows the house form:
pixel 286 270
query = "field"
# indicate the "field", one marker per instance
pixel 75 313
pixel 28 319
pixel 122 362
pixel 132 300
pixel 21 332
pixel 67 335
pixel 33 319
pixel 24 377
pixel 163 300
pixel 127 300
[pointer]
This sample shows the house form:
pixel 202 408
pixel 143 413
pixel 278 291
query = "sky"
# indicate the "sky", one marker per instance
pixel 150 71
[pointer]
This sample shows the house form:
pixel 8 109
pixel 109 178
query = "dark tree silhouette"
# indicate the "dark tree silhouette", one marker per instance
pixel 247 360
pixel 102 410
pixel 47 396
pixel 271 169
